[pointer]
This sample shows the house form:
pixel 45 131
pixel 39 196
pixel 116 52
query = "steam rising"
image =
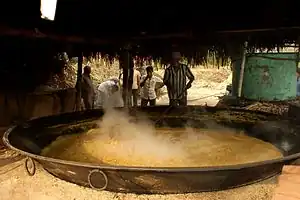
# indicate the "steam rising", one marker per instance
pixel 121 140
pixel 137 139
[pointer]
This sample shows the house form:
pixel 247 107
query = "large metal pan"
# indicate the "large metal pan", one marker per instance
pixel 29 138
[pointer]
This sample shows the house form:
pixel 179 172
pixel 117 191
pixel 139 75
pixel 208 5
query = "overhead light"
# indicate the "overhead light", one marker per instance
pixel 48 9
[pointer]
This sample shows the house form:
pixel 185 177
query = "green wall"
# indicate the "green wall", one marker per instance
pixel 267 76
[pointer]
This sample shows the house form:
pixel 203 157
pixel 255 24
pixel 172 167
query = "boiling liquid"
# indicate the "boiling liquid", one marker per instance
pixel 167 147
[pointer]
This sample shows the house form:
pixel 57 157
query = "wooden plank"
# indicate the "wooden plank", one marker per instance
pixel 260 30
pixel 288 184
pixel 35 33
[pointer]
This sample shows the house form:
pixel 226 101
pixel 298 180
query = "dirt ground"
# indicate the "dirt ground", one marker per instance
pixel 17 185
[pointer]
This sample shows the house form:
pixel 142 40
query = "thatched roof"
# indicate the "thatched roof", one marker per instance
pixel 191 45
pixel 126 19
pixel 154 28
pixel 120 20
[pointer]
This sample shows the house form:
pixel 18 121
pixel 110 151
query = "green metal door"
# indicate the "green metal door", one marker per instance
pixel 267 77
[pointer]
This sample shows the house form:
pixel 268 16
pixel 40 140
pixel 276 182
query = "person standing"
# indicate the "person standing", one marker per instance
pixel 88 92
pixel 135 86
pixel 175 80
pixel 148 83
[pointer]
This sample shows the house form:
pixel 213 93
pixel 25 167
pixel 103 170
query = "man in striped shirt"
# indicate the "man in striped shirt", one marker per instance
pixel 175 80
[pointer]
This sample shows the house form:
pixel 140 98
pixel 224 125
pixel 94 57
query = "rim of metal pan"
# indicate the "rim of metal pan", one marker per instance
pixel 153 169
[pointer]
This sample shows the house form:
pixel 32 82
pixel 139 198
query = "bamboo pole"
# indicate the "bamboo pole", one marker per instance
pixel 36 33
pixel 260 30
pixel 241 79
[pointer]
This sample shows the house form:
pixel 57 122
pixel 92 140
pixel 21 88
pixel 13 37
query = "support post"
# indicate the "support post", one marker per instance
pixel 130 79
pixel 297 49
pixel 126 63
pixel 235 53
pixel 78 83
pixel 240 86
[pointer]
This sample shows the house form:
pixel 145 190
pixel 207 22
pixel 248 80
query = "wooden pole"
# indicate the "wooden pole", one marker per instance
pixel 35 33
pixel 240 86
pixel 126 63
pixel 235 53
pixel 124 66
pixel 297 49
pixel 78 83
pixel 130 78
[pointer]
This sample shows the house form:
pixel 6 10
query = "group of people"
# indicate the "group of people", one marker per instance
pixel 175 79
pixel 145 86
pixel 89 95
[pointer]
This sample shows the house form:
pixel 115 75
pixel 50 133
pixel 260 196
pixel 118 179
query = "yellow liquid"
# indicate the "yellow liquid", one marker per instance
pixel 166 147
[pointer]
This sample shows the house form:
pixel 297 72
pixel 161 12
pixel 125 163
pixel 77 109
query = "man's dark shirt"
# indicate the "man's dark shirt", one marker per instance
pixel 175 80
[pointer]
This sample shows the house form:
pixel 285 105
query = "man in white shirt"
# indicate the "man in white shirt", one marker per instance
pixel 148 83
pixel 106 91
pixel 135 86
